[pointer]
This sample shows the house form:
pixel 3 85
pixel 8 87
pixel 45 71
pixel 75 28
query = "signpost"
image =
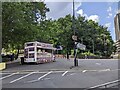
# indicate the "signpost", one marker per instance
pixel 59 48
pixel 75 50
pixel 78 46
pixel 74 37
pixel 81 46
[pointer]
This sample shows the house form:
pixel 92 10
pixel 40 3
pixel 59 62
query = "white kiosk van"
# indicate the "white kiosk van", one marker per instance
pixel 38 52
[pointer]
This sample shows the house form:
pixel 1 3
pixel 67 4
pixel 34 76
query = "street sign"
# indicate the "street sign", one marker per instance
pixel 81 46
pixel 60 48
pixel 74 37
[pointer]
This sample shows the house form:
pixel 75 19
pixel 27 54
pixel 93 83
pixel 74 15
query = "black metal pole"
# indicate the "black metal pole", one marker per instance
pixel 73 18
pixel 75 61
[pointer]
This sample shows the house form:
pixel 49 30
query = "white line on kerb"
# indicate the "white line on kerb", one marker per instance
pixel 64 73
pixel 104 84
pixel 73 74
pixel 104 70
pixel 45 75
pixel 8 76
pixel 22 77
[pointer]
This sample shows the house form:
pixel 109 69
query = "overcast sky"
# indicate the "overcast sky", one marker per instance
pixel 101 12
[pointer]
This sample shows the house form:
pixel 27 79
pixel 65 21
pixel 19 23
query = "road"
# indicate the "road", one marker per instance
pixel 60 74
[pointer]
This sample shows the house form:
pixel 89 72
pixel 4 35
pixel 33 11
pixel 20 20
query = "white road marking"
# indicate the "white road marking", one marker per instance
pixel 40 77
pixel 64 73
pixel 8 76
pixel 32 81
pixel 105 84
pixel 58 71
pixel 45 75
pixel 22 77
pixel 52 71
pixel 98 63
pixel 72 73
pixel 104 70
pixel 115 70
pixel 29 72
pixel 84 71
pixel 20 72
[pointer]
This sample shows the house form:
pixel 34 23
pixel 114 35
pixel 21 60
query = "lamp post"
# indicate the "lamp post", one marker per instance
pixel 73 18
pixel 75 50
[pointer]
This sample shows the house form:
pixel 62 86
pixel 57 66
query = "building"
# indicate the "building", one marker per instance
pixel 117 26
pixel 117 32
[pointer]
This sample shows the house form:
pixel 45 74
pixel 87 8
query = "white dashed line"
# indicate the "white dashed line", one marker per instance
pixel 32 81
pixel 8 75
pixel 98 63
pixel 58 71
pixel 104 70
pixel 115 70
pixel 72 73
pixel 84 71
pixel 64 73
pixel 22 77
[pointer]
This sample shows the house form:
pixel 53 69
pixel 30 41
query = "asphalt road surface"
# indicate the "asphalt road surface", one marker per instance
pixel 61 74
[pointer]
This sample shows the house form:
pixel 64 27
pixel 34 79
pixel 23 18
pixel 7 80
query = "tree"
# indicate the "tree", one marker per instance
pixel 19 22
pixel 23 22
pixel 90 33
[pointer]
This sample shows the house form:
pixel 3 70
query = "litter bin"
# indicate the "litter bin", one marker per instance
pixel 76 62
pixel 22 60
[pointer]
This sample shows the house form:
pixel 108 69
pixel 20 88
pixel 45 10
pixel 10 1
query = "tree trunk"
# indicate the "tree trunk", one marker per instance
pixel 67 53
pixel 17 53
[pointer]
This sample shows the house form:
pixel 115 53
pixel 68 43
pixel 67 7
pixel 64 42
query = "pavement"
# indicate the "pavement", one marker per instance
pixel 9 64
pixel 61 74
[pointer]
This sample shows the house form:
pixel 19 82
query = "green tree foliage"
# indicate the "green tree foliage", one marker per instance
pixel 20 25
pixel 96 37
pixel 19 22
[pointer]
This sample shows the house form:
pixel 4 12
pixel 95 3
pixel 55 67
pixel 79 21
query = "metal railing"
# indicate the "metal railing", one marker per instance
pixel 113 84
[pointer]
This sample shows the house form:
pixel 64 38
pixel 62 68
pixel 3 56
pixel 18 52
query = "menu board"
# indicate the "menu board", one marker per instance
pixel 43 54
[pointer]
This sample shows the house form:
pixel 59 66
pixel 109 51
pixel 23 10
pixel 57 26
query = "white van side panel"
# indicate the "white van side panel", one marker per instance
pixel 29 60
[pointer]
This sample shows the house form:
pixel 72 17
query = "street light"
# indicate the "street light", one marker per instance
pixel 73 18
pixel 75 52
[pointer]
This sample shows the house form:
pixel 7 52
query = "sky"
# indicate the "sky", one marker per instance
pixel 101 12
